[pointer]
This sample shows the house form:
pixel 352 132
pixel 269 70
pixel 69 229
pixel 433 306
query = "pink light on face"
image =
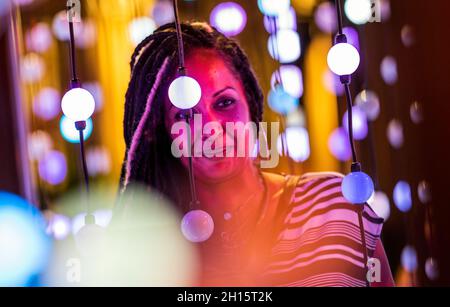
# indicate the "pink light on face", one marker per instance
pixel 38 38
pixel 229 18
pixel 325 17
pixel 52 167
pixel 339 145
pixel 46 104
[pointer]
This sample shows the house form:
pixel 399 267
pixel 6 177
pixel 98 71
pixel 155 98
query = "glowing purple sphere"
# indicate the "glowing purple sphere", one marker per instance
pixel 197 226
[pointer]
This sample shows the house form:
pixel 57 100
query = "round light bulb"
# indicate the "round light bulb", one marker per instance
pixel 358 11
pixel 185 92
pixel 197 226
pixel 357 187
pixel 343 59
pixel 78 104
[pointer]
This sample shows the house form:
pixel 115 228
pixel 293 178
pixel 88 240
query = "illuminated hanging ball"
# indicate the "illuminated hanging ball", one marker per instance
pixel 424 192
pixel 358 11
pixel 416 112
pixel 273 7
pixel 431 269
pixel 52 168
pixel 185 92
pixel 369 102
pixel 409 259
pixel 357 187
pixel 281 102
pixel 343 59
pixel 89 239
pixel 285 21
pixel 285 46
pixel 395 133
pixel 296 140
pixel 197 226
pixel 162 12
pixel 69 131
pixel 339 145
pixel 388 70
pixel 46 104
pixel 291 78
pixel 228 18
pixel 24 245
pixel 78 104
pixel 325 17
pixel 379 202
pixel 359 123
pixel 402 196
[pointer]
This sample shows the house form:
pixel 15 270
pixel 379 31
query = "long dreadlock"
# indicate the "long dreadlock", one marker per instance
pixel 148 159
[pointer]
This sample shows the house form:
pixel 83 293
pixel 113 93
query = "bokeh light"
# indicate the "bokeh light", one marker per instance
pixel 58 226
pixel 424 192
pixel 332 83
pixel 228 18
pixel 379 202
pixel 273 7
pixel 39 144
pixel 325 17
pixel 162 12
pixel 139 28
pixel 352 36
pixel 46 104
pixel 402 196
pixel 70 133
pixel 359 123
pixel 388 70
pixel 409 259
pixel 369 102
pixel 98 161
pixel 38 38
pixel 281 102
pixel 297 142
pixel 285 21
pixel 291 78
pixel 284 46
pixel 407 36
pixel 431 268
pixel 52 168
pixel 358 11
pixel 395 133
pixel 60 27
pixel 339 145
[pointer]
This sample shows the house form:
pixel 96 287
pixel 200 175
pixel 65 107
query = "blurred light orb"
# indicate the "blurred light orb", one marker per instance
pixel 424 192
pixel 59 226
pixel 409 259
pixel 339 145
pixel 229 18
pixel 357 187
pixel 407 35
pixel 325 17
pixel 297 142
pixel 273 7
pixel 88 35
pixel 416 112
pixel 379 202
pixel 343 59
pixel 78 104
pixel 332 83
pixel 281 102
pixel 352 36
pixel 46 104
pixel 60 27
pixel 296 118
pixel 52 168
pixel 358 11
pixel 38 38
pixel 98 161
pixel 39 144
pixel 185 92
pixel 89 239
pixel 385 10
pixel 24 246
pixel 139 28
pixel 284 46
pixel 162 12
pixel 395 133
pixel 32 68
pixel 359 123
pixel 70 133
pixel 5 6
pixel 285 21
pixel 388 70
pixel 402 196
pixel 95 89
pixel 369 102
pixel 291 78
pixel 197 226
pixel 431 268
pixel 102 218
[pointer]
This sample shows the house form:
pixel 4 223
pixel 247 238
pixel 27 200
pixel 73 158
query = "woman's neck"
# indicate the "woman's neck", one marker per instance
pixel 228 195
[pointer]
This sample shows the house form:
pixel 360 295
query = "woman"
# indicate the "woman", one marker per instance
pixel 269 229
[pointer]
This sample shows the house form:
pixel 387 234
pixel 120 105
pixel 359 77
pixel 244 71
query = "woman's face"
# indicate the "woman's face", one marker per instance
pixel 223 101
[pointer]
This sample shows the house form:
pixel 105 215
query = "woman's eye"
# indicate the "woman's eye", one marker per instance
pixel 224 103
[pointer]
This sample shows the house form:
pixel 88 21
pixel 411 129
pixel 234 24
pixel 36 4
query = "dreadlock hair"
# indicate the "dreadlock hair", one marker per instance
pixel 148 159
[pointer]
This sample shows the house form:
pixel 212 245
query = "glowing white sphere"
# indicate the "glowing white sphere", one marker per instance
pixel 229 18
pixel 32 68
pixel 39 144
pixel 59 226
pixel 273 7
pixel 325 17
pixel 89 239
pixel 162 12
pixel 343 59
pixel 369 102
pixel 285 46
pixel 185 92
pixel 197 226
pixel 379 202
pixel 78 104
pixel 358 11
pixel 296 140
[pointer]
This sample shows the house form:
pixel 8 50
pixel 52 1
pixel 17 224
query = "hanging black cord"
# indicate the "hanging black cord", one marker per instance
pixel 72 46
pixel 350 121
pixel 181 67
pixel 191 168
pixel 339 16
pixel 83 162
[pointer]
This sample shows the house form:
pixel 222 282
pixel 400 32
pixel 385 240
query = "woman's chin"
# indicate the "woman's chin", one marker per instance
pixel 217 169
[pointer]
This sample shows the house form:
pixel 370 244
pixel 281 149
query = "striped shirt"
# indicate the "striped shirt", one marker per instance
pixel 316 241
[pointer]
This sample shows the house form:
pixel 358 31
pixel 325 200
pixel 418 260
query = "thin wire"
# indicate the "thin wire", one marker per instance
pixel 350 121
pixel 339 16
pixel 85 170
pixel 179 36
pixel 72 49
pixel 191 168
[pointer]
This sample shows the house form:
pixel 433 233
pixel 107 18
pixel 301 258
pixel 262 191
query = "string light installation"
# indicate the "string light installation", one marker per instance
pixel 185 93
pixel 357 187
pixel 78 105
